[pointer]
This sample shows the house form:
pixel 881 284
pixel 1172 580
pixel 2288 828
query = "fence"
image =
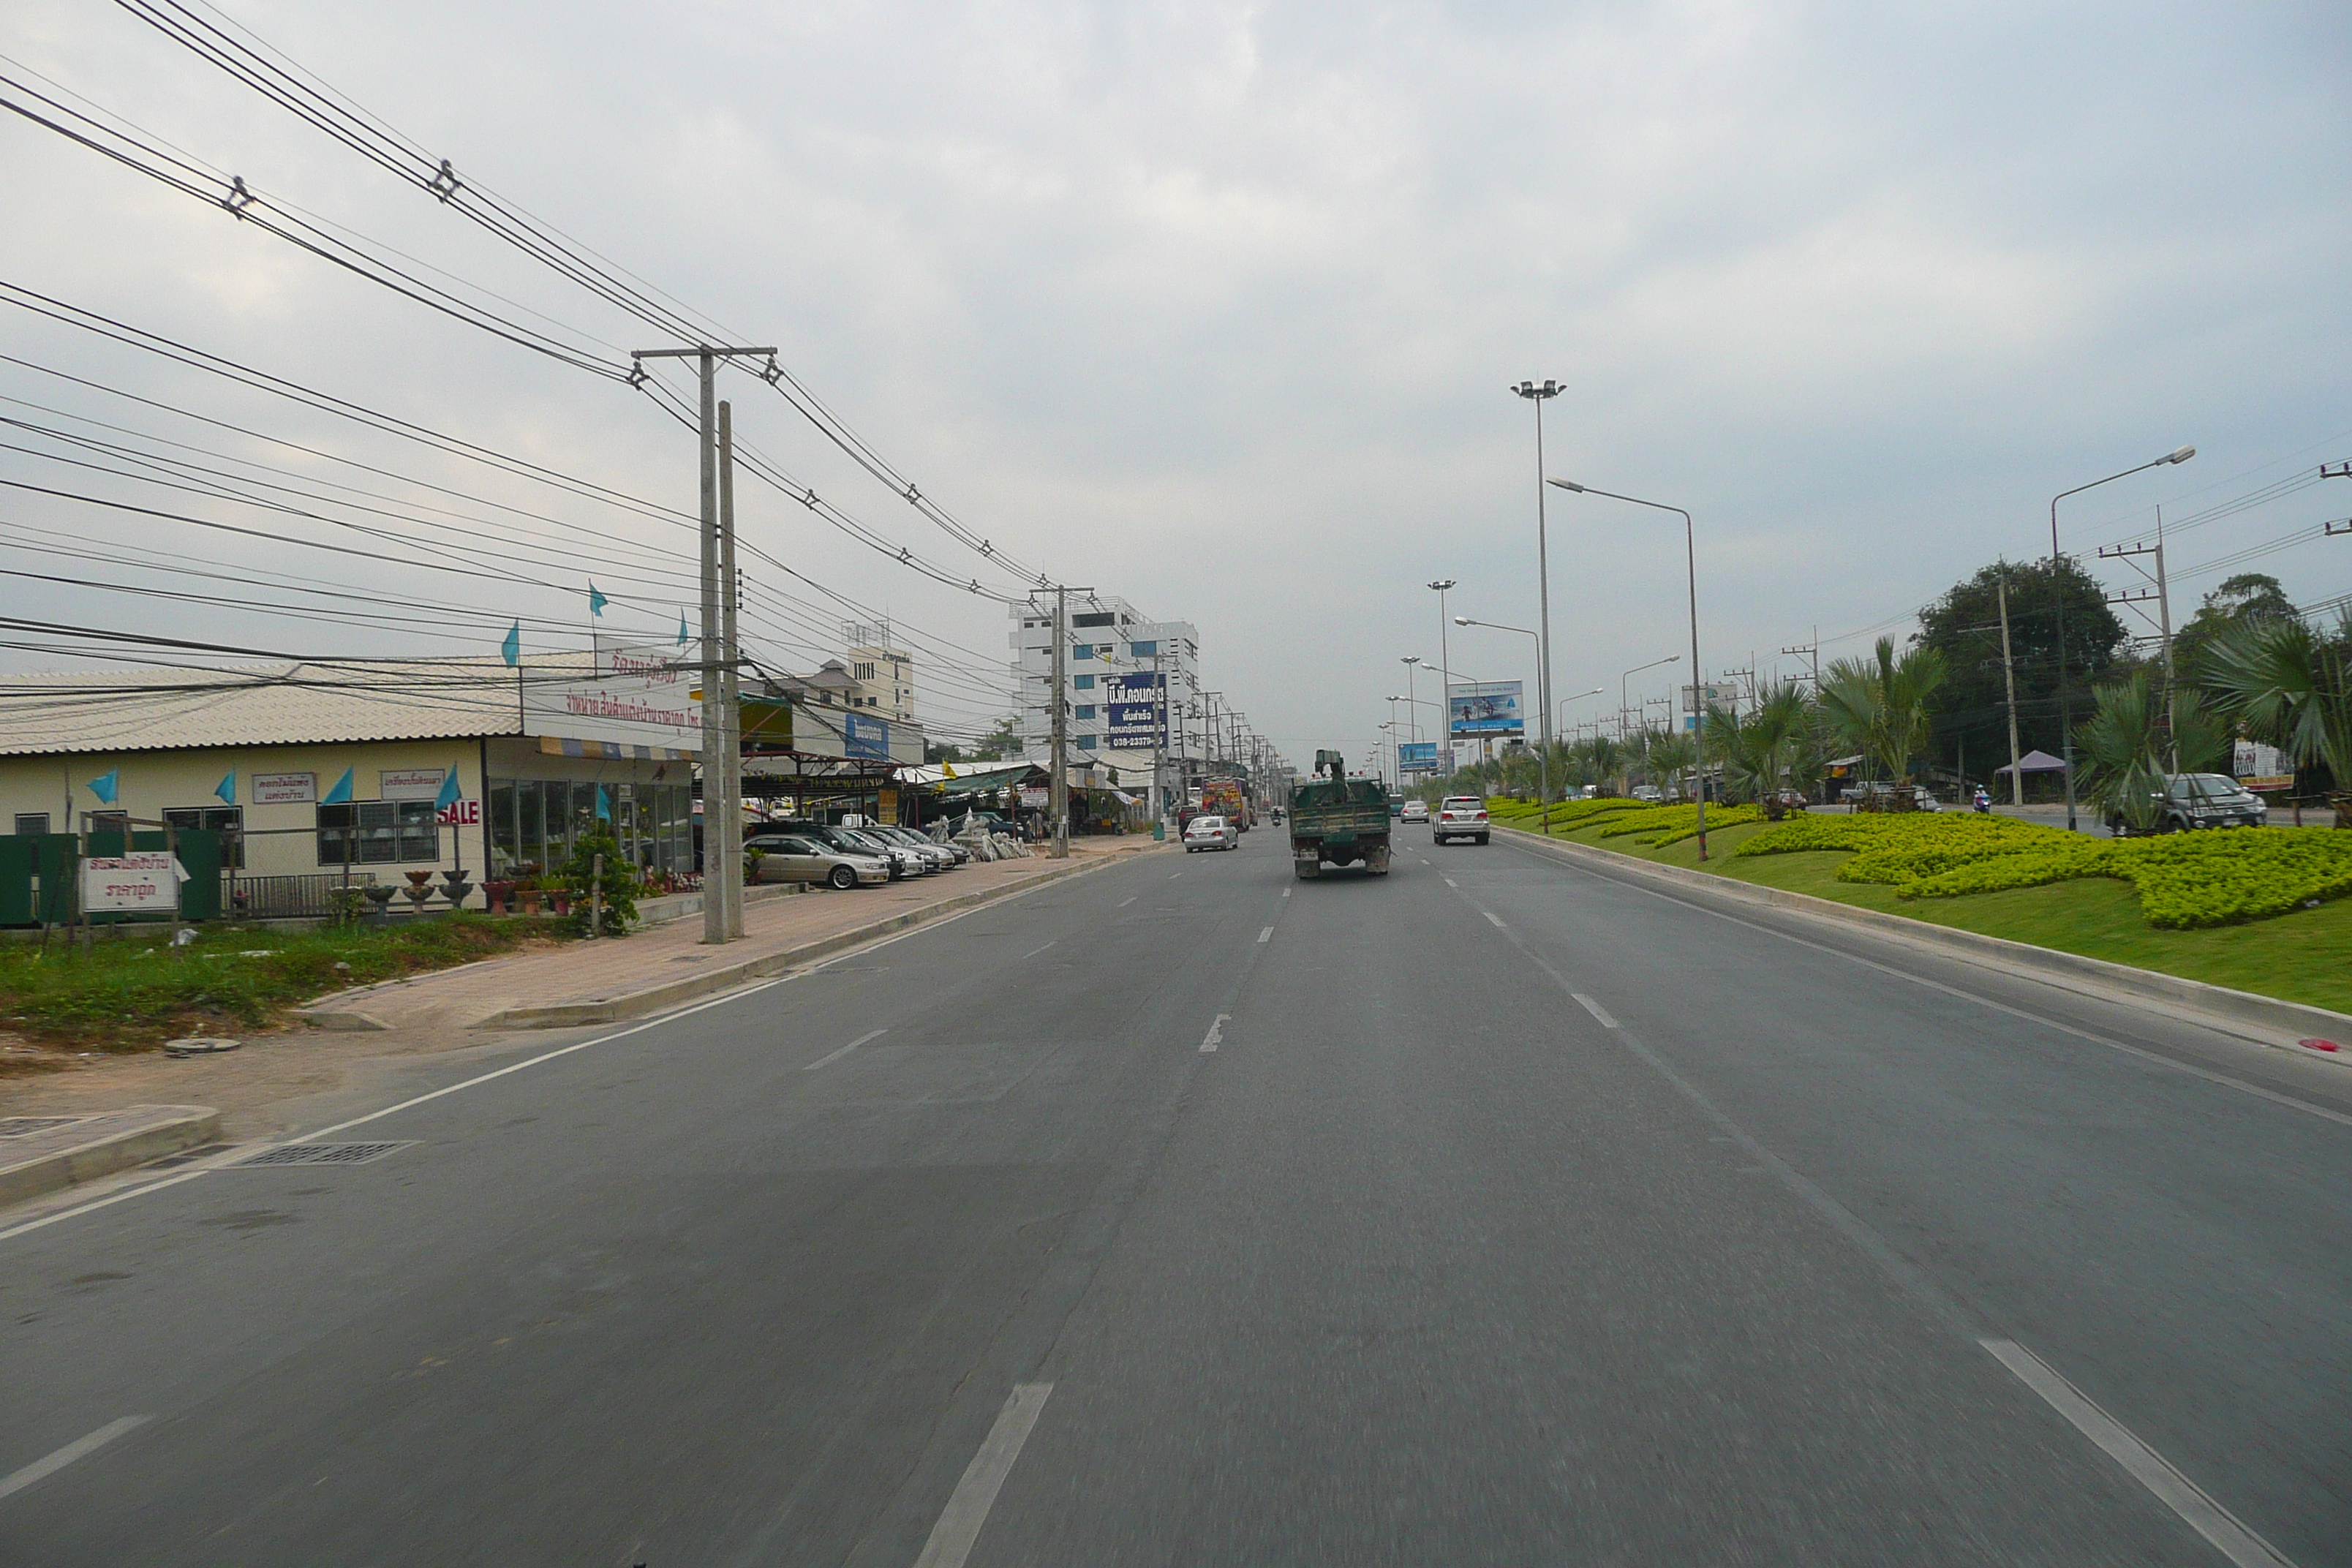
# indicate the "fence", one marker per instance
pixel 310 895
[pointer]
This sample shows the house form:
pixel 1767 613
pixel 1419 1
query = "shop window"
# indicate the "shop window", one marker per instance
pixel 378 832
pixel 505 845
pixel 229 821
pixel 530 824
pixel 32 822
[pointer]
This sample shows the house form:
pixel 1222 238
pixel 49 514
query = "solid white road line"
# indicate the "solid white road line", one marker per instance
pixel 2209 1519
pixel 1490 915
pixel 833 1056
pixel 81 1447
pixel 1595 1009
pixel 1267 934
pixel 1210 1041
pixel 959 1523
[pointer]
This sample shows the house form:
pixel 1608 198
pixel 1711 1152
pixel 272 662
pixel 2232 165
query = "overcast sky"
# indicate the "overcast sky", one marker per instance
pixel 1215 306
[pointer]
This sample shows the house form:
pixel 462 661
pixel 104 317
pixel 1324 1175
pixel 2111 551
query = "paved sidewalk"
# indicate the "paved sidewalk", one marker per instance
pixel 580 977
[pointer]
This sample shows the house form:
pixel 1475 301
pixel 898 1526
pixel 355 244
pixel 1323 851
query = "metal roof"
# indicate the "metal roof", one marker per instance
pixel 306 703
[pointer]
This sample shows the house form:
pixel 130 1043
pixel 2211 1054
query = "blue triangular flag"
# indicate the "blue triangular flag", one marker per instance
pixel 226 788
pixel 103 786
pixel 448 795
pixel 681 628
pixel 341 793
pixel 604 805
pixel 596 600
pixel 511 649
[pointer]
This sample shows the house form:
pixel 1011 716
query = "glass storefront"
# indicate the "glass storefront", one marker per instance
pixel 534 822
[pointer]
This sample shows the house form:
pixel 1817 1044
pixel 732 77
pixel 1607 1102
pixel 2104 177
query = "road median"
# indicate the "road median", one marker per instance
pixel 2266 1020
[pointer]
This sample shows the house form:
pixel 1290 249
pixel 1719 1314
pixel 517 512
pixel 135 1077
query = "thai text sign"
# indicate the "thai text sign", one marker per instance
pixel 285 789
pixel 1138 716
pixel 144 882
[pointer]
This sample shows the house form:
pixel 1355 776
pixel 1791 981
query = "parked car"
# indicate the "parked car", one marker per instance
pixel 2191 801
pixel 1878 795
pixel 1460 816
pixel 909 864
pixel 789 857
pixel 1416 811
pixel 1206 832
pixel 1649 792
pixel 849 841
pixel 944 858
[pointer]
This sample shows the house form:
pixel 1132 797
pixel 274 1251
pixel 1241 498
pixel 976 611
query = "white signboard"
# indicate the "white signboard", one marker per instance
pixel 285 789
pixel 145 881
pixel 460 813
pixel 410 784
pixel 637 697
pixel 1036 799
pixel 2258 766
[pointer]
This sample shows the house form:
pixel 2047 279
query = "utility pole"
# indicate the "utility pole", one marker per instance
pixel 2129 553
pixel 1057 804
pixel 722 818
pixel 1812 651
pixel 2008 678
pixel 730 681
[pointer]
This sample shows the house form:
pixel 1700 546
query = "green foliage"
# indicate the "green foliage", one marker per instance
pixel 2125 748
pixel 1000 744
pixel 1964 625
pixel 2246 600
pixel 620 885
pixel 1879 705
pixel 1658 825
pixel 2291 687
pixel 2184 881
pixel 135 990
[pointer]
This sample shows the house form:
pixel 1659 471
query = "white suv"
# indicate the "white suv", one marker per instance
pixel 1460 816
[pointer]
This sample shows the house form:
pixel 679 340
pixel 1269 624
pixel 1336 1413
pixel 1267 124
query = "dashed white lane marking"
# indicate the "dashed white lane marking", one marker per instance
pixel 1427 861
pixel 959 1528
pixel 1173 875
pixel 1035 950
pixel 1596 1009
pixel 81 1447
pixel 836 1056
pixel 1124 902
pixel 1490 915
pixel 1265 934
pixel 1210 1041
pixel 1452 883
pixel 2209 1519
pixel 1286 892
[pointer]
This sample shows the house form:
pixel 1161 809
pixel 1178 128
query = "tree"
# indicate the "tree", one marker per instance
pixel 2291 687
pixel 942 752
pixel 2250 598
pixel 1879 705
pixel 2124 747
pixel 1758 750
pixel 1972 719
pixel 999 744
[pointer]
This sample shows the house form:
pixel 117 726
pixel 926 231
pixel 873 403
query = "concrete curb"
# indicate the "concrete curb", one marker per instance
pixel 93 1146
pixel 338 1018
pixel 657 998
pixel 2262 1019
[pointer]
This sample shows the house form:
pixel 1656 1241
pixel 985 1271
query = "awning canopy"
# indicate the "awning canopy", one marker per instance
pixel 982 781
pixel 2035 763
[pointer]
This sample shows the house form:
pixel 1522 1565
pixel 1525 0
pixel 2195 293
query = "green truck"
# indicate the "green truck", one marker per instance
pixel 1336 819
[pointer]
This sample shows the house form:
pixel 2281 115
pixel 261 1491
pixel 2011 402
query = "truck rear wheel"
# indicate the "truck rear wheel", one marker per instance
pixel 1377 862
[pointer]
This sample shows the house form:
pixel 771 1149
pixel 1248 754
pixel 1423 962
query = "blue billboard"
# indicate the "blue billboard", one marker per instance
pixel 1417 756
pixel 1486 708
pixel 1137 715
pixel 864 737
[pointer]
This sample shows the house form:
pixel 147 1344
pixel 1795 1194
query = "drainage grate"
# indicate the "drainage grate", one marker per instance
pixel 25 1126
pixel 324 1154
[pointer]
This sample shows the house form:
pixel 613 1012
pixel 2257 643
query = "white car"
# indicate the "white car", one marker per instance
pixel 1460 816
pixel 1416 811
pixel 1211 833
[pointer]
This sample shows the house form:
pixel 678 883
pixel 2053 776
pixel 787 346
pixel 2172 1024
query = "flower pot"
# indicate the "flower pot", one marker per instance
pixel 497 893
pixel 531 898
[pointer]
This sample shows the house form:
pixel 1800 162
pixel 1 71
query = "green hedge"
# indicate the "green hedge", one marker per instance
pixel 2184 881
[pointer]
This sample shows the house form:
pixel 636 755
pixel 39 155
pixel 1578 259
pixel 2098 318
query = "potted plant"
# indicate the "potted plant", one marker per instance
pixel 497 893
pixel 526 892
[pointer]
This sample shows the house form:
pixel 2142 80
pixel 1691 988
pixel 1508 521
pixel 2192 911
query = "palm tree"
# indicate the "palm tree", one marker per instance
pixel 2123 748
pixel 1670 753
pixel 1759 750
pixel 2293 688
pixel 1880 704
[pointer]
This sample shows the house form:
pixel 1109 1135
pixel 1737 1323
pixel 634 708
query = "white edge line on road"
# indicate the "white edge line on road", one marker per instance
pixel 2158 1057
pixel 1598 1012
pixel 735 995
pixel 1490 915
pixel 1266 935
pixel 81 1447
pixel 1210 1041
pixel 959 1523
pixel 2209 1519
pixel 832 1057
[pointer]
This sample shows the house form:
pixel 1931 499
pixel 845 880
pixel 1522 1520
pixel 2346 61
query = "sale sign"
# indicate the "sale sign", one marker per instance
pixel 460 813
pixel 145 881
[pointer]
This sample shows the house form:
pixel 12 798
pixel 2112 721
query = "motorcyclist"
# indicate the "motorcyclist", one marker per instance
pixel 1983 800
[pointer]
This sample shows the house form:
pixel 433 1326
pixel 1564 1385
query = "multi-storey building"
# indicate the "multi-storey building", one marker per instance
pixel 881 672
pixel 1112 656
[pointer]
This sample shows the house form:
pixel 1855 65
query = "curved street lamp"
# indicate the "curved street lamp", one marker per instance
pixel 1543 752
pixel 1690 541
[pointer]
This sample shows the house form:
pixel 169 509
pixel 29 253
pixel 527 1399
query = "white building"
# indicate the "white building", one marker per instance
pixel 882 672
pixel 1116 664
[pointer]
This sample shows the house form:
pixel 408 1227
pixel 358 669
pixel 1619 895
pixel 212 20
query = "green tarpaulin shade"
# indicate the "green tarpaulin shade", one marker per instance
pixel 981 783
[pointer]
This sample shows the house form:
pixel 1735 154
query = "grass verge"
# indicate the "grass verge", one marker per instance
pixel 134 992
pixel 2304 955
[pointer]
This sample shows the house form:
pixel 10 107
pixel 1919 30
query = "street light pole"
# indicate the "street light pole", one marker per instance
pixel 1690 542
pixel 1543 756
pixel 2058 587
pixel 1538 395
pixel 1445 671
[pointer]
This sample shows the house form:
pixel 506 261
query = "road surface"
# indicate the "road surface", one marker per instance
pixel 1495 1212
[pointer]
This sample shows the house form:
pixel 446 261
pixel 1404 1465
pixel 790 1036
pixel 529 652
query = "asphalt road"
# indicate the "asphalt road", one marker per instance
pixel 1181 1213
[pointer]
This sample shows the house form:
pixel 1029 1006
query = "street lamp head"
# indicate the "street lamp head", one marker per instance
pixel 1567 485
pixel 1443 583
pixel 2181 455
pixel 1549 388
pixel 1409 658
pixel 1463 621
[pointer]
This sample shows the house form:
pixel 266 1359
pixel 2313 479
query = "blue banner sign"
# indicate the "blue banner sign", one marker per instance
pixel 864 737
pixel 1486 708
pixel 1136 716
